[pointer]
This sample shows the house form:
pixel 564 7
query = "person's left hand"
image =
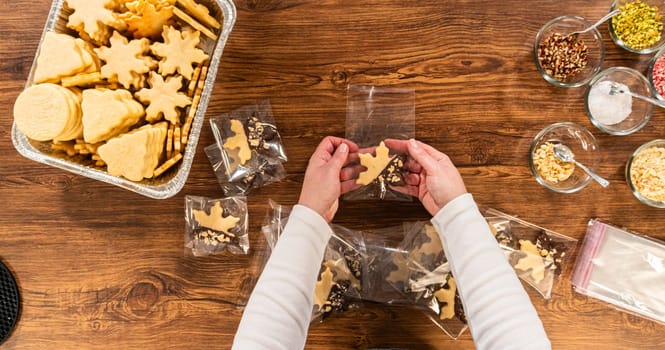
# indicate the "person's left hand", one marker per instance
pixel 327 176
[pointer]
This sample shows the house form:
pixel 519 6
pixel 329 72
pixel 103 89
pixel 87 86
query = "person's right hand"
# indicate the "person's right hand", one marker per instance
pixel 432 177
pixel 327 176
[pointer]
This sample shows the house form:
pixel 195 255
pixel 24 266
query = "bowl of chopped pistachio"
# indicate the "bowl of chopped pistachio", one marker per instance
pixel 566 58
pixel 638 27
pixel 555 174
pixel 644 171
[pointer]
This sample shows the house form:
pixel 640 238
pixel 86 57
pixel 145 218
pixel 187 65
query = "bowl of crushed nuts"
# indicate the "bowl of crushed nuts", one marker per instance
pixel 611 104
pixel 555 174
pixel 644 171
pixel 566 58
pixel 638 27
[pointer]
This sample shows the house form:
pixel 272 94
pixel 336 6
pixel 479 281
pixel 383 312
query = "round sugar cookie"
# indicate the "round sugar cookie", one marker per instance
pixel 43 112
pixel 74 130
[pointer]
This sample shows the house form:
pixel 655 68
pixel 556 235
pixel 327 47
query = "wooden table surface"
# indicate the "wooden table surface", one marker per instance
pixel 100 267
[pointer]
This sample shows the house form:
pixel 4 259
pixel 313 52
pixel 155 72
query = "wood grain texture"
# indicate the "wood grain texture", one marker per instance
pixel 103 268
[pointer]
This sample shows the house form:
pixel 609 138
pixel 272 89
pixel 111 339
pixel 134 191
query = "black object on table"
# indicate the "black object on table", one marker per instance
pixel 9 302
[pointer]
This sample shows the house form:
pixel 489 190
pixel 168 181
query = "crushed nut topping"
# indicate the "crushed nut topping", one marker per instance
pixel 562 56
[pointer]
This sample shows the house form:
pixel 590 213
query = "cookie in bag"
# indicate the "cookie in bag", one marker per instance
pixel 266 173
pixel 540 256
pixel 340 279
pixel 250 144
pixel 381 169
pixel 216 225
pixel 250 132
pixel 335 280
pixel 430 284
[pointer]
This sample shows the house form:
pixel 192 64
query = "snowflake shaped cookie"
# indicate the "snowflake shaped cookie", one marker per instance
pixel 163 98
pixel 239 141
pixel 92 19
pixel 178 52
pixel 446 298
pixel 125 61
pixel 382 167
pixel 216 219
pixel 531 261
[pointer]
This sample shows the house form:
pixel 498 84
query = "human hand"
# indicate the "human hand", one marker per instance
pixel 431 176
pixel 327 176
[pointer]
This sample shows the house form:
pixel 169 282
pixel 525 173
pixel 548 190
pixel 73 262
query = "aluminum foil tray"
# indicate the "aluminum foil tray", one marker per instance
pixel 169 183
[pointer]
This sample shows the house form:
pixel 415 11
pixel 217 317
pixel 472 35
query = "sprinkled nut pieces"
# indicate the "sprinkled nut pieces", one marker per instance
pixel 549 166
pixel 562 56
pixel 638 25
pixel 646 173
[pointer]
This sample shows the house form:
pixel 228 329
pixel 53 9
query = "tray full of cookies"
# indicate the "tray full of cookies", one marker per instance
pixel 118 89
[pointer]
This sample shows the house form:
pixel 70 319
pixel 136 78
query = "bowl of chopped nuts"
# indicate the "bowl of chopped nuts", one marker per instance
pixel 611 104
pixel 565 58
pixel 644 171
pixel 638 27
pixel 555 174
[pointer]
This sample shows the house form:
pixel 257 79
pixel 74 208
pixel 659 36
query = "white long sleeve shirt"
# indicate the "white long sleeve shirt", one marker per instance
pixel 498 310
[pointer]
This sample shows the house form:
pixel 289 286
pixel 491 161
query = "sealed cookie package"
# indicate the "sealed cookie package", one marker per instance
pixel 267 173
pixel 623 268
pixel 249 143
pixel 374 116
pixel 430 284
pixel 539 256
pixel 385 267
pixel 213 226
pixel 339 283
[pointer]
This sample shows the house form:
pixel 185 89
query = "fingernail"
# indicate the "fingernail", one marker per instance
pixel 344 148
pixel 414 144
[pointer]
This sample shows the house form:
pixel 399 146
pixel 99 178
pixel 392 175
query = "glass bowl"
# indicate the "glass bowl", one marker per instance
pixel 657 87
pixel 646 50
pixel 635 167
pixel 592 39
pixel 619 114
pixel 580 141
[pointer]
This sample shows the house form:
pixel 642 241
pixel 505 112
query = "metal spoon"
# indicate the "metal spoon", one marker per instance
pixel 600 21
pixel 565 154
pixel 615 89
